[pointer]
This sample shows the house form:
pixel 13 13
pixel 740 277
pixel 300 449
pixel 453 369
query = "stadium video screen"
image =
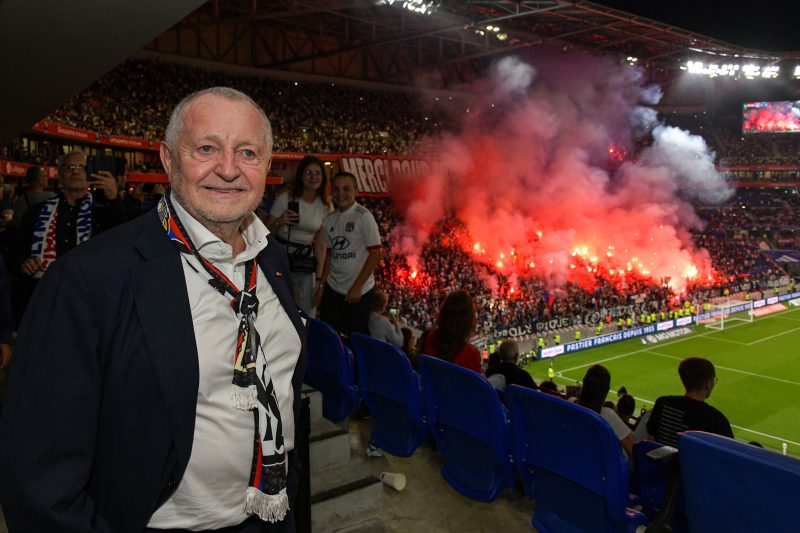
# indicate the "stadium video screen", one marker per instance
pixel 771 117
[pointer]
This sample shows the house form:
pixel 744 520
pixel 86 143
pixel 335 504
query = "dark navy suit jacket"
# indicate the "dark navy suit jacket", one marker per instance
pixel 99 411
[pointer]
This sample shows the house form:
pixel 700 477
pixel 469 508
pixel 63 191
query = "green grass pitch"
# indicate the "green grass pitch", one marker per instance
pixel 758 367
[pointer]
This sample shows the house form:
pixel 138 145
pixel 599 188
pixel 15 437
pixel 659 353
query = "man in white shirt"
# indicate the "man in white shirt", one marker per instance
pixel 344 294
pixel 157 377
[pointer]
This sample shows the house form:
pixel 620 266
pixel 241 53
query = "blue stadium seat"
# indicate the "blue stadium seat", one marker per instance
pixel 733 486
pixel 650 477
pixel 650 483
pixel 471 428
pixel 330 370
pixel 391 390
pixel 573 460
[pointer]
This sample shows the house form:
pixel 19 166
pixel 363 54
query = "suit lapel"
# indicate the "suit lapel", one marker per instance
pixel 276 274
pixel 162 303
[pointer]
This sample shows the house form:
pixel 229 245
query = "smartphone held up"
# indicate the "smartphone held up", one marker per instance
pixel 294 206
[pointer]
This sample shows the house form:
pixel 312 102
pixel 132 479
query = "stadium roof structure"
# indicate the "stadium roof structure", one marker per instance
pixel 452 43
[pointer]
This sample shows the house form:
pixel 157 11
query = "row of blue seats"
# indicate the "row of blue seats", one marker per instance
pixel 567 457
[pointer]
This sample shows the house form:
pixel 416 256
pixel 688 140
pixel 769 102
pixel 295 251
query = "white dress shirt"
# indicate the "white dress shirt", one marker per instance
pixel 211 494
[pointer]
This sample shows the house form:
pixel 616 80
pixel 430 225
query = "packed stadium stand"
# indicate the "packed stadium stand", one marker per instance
pixel 337 119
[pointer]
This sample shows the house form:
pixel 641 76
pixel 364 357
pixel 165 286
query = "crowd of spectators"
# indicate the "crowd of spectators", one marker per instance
pixel 735 235
pixel 756 149
pixel 733 148
pixel 45 153
pixel 418 290
pixel 754 210
pixel 312 117
pixel 317 117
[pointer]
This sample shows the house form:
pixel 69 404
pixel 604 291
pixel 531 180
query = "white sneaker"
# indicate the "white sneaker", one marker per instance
pixel 374 451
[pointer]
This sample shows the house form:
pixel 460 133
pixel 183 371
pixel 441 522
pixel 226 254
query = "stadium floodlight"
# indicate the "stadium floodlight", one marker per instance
pixel 751 71
pixel 770 72
pixel 696 67
pixel 727 312
pixel 425 7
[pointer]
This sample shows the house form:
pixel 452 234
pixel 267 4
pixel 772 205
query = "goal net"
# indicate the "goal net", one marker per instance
pixel 723 314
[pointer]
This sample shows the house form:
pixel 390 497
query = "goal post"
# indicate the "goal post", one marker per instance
pixel 725 313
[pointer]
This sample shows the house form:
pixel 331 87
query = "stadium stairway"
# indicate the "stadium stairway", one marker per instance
pixel 345 495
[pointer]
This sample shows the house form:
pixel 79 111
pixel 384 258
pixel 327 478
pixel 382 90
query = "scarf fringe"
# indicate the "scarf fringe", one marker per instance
pixel 268 507
pixel 244 398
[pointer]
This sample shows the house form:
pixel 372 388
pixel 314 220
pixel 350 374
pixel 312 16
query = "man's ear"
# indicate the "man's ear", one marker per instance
pixel 166 157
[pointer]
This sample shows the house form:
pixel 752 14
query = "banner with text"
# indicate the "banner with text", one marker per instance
pixel 69 132
pixel 656 330
pixel 11 168
pixel 592 318
pixel 374 173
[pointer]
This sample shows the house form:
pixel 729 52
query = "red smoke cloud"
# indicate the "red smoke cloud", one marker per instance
pixel 530 174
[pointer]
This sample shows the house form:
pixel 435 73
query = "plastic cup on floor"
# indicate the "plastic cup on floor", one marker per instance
pixel 396 480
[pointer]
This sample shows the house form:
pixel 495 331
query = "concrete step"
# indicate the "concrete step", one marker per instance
pixel 345 497
pixel 371 525
pixel 329 445
pixel 316 402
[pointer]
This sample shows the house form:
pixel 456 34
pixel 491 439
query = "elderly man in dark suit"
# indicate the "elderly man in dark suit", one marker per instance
pixel 156 377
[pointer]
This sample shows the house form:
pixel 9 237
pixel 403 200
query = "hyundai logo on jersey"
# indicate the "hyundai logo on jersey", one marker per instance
pixel 340 243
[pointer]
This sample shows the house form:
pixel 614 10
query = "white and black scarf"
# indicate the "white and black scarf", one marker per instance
pixel 265 494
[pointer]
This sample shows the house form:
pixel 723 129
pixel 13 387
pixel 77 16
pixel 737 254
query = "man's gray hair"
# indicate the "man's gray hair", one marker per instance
pixel 509 351
pixel 177 119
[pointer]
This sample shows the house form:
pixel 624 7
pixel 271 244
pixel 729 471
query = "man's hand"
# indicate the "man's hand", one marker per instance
pixel 318 293
pixel 106 182
pixel 5 355
pixel 288 217
pixel 353 296
pixel 31 266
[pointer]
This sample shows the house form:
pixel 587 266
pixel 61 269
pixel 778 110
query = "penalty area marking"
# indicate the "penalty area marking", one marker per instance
pixel 773 336
pixel 740 343
pixel 788 319
pixel 745 372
